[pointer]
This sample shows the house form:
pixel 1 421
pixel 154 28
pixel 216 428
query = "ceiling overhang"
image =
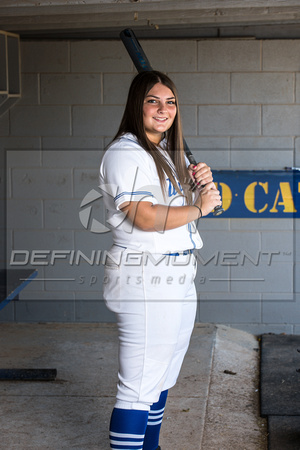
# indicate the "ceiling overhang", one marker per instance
pixel 149 18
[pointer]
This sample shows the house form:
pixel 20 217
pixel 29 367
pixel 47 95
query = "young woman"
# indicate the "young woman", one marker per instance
pixel 150 270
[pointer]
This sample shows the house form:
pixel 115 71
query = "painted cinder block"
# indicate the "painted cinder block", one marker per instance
pixel 75 275
pixel 24 215
pixel 212 88
pixel 62 214
pixel 214 151
pixel 281 120
pixel 44 56
pixel 5 242
pixel 30 89
pixel 296 277
pixel 216 159
pixel 262 152
pixel 281 243
pixel 206 224
pixel 225 120
pixel 231 242
pixel 228 55
pixel 221 254
pixel 116 87
pixel 230 312
pixel 7 314
pixel 88 310
pixel 4 125
pixel 297 152
pixel 42 183
pixel 296 242
pixel 277 297
pixel 209 143
pixel 85 181
pixel 88 242
pixel 189 119
pixel 25 157
pixel 171 56
pixel 211 277
pixel 45 311
pixel 297 100
pixel 96 120
pixel 281 55
pixel 44 239
pixel 99 56
pixel 74 157
pixel 261 159
pixel 44 296
pixel 262 143
pixel 70 89
pixel 80 144
pixel 20 146
pixel 231 296
pixel 282 312
pixel 40 120
pixel 263 277
pixel 262 88
pixel 262 224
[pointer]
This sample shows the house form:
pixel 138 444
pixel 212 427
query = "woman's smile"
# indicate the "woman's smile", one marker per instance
pixel 159 111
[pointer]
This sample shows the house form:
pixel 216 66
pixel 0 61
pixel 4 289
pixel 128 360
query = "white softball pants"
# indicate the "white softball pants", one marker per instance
pixel 154 298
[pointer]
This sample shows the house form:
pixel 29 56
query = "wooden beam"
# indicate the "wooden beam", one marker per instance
pixel 207 17
pixel 58 14
pixel 61 7
pixel 152 4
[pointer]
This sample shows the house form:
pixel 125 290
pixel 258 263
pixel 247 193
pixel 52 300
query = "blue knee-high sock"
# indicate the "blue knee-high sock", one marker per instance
pixel 127 429
pixel 154 422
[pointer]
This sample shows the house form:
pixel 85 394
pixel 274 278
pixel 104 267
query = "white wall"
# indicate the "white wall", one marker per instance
pixel 240 103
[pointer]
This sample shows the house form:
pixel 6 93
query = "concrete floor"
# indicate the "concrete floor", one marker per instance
pixel 208 409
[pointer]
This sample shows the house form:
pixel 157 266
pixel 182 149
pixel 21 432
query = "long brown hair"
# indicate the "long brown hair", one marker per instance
pixel 132 122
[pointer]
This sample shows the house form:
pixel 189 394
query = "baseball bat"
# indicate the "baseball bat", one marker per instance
pixel 142 64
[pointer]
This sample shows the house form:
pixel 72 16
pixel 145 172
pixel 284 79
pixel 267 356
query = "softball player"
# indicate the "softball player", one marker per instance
pixel 150 270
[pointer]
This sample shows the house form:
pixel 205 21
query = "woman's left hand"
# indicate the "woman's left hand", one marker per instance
pixel 200 174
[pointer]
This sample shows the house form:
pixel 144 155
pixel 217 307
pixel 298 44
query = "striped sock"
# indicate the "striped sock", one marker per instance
pixel 127 429
pixel 154 422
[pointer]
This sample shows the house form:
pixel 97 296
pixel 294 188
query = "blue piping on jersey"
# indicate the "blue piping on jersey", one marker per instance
pixel 190 230
pixel 149 194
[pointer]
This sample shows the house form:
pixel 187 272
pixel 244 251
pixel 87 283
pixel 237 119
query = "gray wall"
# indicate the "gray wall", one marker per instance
pixel 241 110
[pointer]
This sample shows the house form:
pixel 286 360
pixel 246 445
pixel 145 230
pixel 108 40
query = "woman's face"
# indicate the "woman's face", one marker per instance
pixel 159 111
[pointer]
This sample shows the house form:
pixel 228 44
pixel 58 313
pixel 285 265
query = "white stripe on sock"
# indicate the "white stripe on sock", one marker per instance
pixel 156 411
pixel 154 423
pixel 126 435
pixel 126 443
pixel 155 417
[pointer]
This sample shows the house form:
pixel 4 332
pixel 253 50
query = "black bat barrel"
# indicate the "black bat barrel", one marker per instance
pixel 135 51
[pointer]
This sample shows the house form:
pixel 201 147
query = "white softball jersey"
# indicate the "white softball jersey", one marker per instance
pixel 128 173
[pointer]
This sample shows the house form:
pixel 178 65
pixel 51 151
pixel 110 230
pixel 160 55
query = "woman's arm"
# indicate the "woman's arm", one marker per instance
pixel 149 217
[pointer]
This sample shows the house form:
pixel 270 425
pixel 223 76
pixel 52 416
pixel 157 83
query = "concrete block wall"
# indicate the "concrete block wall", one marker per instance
pixel 240 103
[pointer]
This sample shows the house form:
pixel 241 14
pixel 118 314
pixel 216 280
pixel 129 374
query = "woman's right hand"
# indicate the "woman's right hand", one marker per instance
pixel 208 198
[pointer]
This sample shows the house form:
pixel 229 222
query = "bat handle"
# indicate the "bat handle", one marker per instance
pixel 218 210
